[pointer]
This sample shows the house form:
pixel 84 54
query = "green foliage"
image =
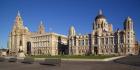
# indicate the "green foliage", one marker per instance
pixel 76 56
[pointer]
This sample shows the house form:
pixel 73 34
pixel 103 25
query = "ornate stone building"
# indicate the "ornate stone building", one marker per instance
pixel 35 43
pixel 102 39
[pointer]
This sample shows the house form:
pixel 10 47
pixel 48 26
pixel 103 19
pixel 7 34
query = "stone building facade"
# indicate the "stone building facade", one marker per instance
pixel 34 43
pixel 102 39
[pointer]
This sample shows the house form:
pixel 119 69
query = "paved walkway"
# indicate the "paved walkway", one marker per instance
pixel 68 65
pixel 76 65
pixel 73 59
pixel 130 60
pixel 78 59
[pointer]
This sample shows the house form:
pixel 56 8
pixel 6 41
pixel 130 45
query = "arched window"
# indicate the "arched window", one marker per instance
pixel 20 43
pixel 28 47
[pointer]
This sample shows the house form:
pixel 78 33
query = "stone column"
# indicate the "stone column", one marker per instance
pixel 113 41
pixel 23 43
pixel 113 45
pixel 77 50
pixel 77 44
pixel 99 46
pixel 108 45
pixel 9 44
pixel 17 43
pixel 84 42
pixel 92 44
pixel 73 42
pixel 118 43
pixel 13 44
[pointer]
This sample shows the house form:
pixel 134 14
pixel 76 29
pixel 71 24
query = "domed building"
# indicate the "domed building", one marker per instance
pixel 103 40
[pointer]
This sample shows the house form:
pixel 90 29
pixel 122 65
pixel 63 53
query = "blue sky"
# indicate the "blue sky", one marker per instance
pixel 59 15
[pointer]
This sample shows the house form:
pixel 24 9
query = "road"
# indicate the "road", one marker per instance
pixel 73 65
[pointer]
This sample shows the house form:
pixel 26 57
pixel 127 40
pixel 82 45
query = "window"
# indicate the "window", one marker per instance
pixel 128 32
pixel 83 42
pixel 20 43
pixel 96 40
pixel 121 40
pixel 79 42
pixel 128 36
pixel 110 50
pixel 102 39
pixel 86 41
pixel 98 25
pixel 112 40
pixel 106 40
pixel 128 50
pixel 74 42
pixel 128 46
pixel 128 41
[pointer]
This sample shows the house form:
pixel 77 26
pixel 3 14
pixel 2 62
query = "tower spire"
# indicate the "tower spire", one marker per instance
pixel 18 14
pixel 41 28
pixel 128 18
pixel 41 22
pixel 100 12
pixel 18 21
pixel 128 24
pixel 72 31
